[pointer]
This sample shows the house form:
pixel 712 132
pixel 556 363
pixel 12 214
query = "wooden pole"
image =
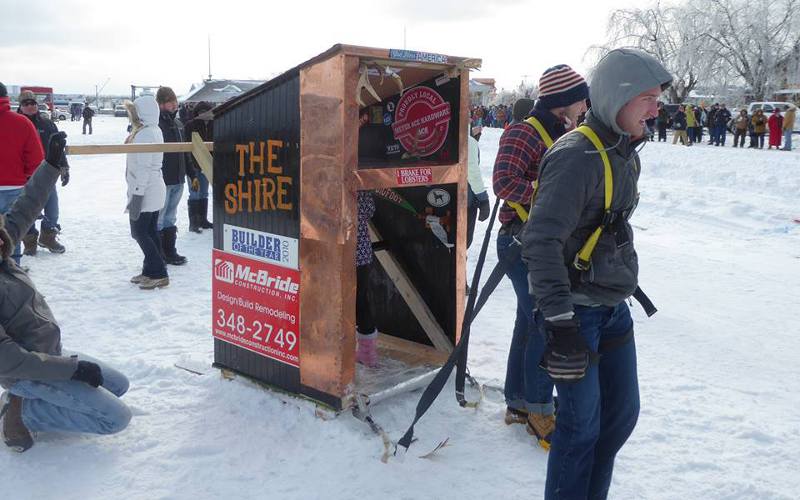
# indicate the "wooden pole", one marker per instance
pixel 104 149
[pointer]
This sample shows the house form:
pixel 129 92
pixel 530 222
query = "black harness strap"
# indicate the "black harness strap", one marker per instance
pixel 645 302
pixel 459 355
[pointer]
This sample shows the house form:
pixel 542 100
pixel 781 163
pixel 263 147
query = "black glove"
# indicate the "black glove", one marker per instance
pixel 89 373
pixel 135 206
pixel 483 210
pixel 64 176
pixel 567 356
pixel 55 149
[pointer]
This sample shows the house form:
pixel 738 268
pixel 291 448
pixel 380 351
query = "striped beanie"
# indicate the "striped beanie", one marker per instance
pixel 561 86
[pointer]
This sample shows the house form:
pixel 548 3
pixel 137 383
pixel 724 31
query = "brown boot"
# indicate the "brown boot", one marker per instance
pixel 48 241
pixel 30 241
pixel 15 435
pixel 516 416
pixel 542 426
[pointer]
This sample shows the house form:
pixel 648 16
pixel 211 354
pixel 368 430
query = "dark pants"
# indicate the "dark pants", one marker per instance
pixel 527 386
pixel 738 137
pixel 760 140
pixel 662 132
pixel 596 415
pixel 698 134
pixel 365 323
pixel 472 216
pixel 143 230
pixel 89 124
pixel 719 135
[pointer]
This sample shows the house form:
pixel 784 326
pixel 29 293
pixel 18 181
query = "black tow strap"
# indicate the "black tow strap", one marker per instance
pixel 458 358
pixel 459 354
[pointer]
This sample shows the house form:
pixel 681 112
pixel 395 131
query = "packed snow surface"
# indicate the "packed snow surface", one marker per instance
pixel 718 365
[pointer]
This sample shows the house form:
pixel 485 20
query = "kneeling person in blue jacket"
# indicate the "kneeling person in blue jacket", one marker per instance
pixel 590 351
pixel 46 389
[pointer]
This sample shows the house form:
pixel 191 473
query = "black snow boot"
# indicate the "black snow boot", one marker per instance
pixel 194 216
pixel 169 235
pixel 202 214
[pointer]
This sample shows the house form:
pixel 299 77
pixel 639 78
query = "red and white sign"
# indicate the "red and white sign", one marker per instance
pixel 414 175
pixel 256 306
pixel 421 121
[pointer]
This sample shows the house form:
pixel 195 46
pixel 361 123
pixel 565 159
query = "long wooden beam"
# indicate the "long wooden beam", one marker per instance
pixel 105 149
pixel 412 297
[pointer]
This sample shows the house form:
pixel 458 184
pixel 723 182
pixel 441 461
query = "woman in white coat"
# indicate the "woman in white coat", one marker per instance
pixel 146 191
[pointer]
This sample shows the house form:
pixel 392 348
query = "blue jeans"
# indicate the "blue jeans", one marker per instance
pixel 596 415
pixel 787 140
pixel 50 219
pixel 527 386
pixel 169 214
pixel 7 198
pixel 720 132
pixel 203 193
pixel 71 406
pixel 143 230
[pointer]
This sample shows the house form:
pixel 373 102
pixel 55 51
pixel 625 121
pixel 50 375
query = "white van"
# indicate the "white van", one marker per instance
pixel 768 107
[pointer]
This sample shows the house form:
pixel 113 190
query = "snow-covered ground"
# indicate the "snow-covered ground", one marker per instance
pixel 718 365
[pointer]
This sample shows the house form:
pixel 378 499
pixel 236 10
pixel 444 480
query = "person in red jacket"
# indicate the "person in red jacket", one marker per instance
pixel 775 124
pixel 20 153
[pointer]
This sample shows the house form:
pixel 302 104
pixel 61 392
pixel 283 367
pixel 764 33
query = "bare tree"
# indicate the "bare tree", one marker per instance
pixel 672 36
pixel 754 38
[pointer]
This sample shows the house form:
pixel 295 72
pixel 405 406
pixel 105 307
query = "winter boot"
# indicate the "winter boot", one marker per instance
pixel 48 240
pixel 30 241
pixel 367 349
pixel 516 416
pixel 153 283
pixel 168 237
pixel 202 214
pixel 15 435
pixel 194 216
pixel 542 427
pixel 138 279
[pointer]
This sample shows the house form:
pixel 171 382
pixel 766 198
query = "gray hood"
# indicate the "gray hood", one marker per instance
pixel 147 110
pixel 619 77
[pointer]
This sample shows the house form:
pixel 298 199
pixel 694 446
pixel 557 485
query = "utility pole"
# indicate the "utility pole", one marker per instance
pixel 209 56
pixel 97 93
pixel 404 37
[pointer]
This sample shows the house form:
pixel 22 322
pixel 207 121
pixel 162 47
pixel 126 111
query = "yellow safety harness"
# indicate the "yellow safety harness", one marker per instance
pixel 583 259
pixel 548 141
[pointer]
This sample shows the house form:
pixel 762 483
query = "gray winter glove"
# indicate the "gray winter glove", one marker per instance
pixel 483 210
pixel 135 206
pixel 64 176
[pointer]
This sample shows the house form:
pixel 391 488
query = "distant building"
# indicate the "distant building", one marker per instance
pixel 218 91
pixel 481 91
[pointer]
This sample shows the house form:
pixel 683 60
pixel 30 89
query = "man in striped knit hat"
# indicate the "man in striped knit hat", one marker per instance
pixel 562 99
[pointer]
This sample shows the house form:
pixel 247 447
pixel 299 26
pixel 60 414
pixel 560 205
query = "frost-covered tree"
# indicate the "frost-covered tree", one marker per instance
pixel 754 39
pixel 672 36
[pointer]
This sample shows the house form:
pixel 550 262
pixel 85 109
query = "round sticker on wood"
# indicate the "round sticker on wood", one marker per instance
pixel 421 121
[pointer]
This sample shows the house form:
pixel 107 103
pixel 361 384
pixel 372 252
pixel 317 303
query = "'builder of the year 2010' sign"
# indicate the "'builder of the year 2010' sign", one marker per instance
pixel 256 293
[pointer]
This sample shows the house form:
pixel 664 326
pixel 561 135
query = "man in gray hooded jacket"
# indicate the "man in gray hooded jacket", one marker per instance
pixel 47 390
pixel 590 351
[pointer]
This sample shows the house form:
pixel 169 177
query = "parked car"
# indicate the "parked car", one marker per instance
pixel 769 106
pixel 119 110
pixel 60 113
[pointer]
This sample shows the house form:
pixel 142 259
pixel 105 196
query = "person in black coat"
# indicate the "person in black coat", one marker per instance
pixel 662 122
pixel 29 107
pixel 201 122
pixel 88 113
pixel 679 126
pixel 175 168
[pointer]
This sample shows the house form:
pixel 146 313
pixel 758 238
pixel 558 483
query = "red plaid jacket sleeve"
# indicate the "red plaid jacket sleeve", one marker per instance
pixel 516 167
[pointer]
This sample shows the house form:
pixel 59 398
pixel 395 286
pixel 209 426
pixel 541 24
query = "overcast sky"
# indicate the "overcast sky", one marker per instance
pixel 73 45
